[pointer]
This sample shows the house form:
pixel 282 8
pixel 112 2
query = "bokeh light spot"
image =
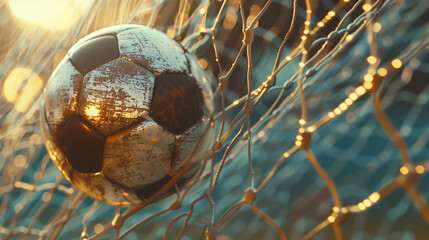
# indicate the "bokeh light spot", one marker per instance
pixel 21 87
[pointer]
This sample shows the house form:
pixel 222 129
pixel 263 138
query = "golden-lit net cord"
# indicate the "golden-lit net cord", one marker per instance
pixel 237 133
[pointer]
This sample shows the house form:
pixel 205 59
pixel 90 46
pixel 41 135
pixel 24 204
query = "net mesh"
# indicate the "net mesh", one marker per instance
pixel 321 125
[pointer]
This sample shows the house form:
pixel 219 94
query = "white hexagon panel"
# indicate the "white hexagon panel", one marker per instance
pixel 187 142
pixel 61 96
pixel 140 156
pixel 161 53
pixel 116 95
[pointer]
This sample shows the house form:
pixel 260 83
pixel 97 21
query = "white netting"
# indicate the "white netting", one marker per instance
pixel 338 140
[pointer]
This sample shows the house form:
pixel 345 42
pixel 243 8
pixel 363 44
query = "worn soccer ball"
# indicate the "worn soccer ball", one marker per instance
pixel 124 111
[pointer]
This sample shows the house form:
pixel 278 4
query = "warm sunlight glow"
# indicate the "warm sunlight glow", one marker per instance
pixel 54 15
pixel 92 111
pixel 21 87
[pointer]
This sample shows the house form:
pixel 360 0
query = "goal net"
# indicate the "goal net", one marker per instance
pixel 322 118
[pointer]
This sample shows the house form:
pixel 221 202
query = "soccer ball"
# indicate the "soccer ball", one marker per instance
pixel 124 111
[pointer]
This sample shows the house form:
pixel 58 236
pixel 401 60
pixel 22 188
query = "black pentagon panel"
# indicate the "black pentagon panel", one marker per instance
pixel 94 53
pixel 176 102
pixel 82 145
pixel 147 192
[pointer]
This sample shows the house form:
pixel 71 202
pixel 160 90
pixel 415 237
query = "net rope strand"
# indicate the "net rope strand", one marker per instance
pixel 320 124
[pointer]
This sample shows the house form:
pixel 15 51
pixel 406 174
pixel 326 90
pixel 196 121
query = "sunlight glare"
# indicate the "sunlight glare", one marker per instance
pixel 54 15
pixel 92 111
